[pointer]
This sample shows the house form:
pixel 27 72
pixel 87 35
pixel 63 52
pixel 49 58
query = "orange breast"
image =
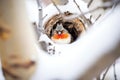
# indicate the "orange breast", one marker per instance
pixel 61 36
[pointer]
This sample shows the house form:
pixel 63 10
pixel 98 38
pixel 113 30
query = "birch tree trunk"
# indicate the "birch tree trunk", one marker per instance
pixel 17 41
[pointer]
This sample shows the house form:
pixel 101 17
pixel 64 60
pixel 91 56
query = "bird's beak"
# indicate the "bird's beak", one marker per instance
pixel 59 32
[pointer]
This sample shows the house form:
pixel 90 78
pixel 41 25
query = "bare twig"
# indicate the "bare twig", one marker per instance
pixel 89 3
pixel 78 6
pixel 44 17
pixel 92 10
pixel 100 7
pixel 91 17
pixel 40 17
pixel 40 28
pixel 104 75
pixel 56 7
pixel 82 15
pixel 104 6
pixel 115 75
pixel 39 3
pixel 40 10
pixel 98 17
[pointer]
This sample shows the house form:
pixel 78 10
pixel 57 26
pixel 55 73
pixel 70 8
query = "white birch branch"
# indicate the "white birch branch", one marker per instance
pixel 18 51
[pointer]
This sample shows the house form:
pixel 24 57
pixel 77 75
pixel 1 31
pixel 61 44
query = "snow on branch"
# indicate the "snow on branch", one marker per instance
pixel 88 56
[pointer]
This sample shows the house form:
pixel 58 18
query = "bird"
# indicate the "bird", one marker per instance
pixel 60 35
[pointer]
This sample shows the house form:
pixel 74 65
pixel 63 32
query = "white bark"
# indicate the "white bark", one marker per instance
pixel 18 51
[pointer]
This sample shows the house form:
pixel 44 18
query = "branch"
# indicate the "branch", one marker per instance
pixel 56 7
pixel 18 55
pixel 89 3
pixel 87 21
pixel 98 17
pixel 93 10
pixel 115 75
pixel 104 75
pixel 40 10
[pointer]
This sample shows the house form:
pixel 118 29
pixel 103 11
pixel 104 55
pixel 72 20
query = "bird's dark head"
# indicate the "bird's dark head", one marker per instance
pixel 59 29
